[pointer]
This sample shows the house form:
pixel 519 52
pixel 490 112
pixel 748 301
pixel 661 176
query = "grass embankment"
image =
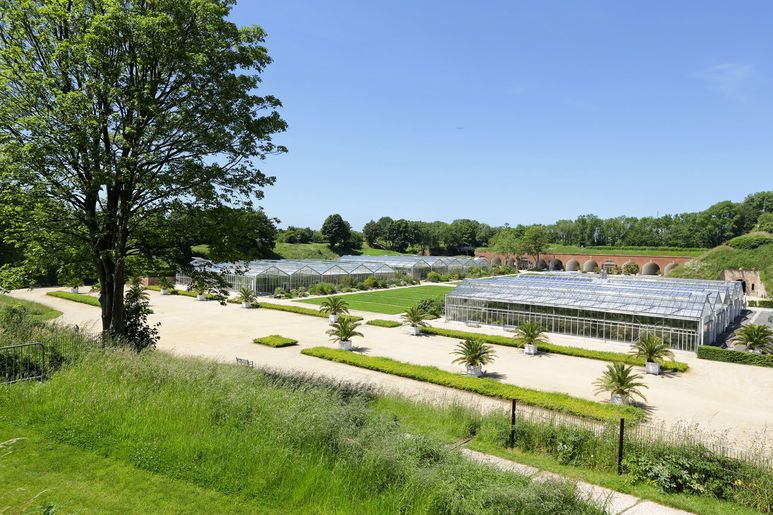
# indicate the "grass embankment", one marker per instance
pixel 36 310
pixel 305 251
pixel 266 442
pixel 619 251
pixel 276 340
pixel 489 387
pixel 389 302
pixel 727 257
pixel 673 366
pixel 75 297
pixel 383 323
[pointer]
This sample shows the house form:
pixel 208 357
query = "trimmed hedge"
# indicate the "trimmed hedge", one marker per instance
pixel 275 341
pixel 297 309
pixel 483 386
pixel 735 356
pixel 76 297
pixel 383 323
pixel 674 366
pixel 762 303
pixel 184 293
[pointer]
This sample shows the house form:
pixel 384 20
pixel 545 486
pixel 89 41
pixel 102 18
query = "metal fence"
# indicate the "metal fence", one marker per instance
pixel 23 362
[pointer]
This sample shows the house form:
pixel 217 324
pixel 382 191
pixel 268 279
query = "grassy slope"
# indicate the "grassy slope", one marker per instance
pixel 37 310
pixel 710 264
pixel 626 251
pixel 285 444
pixel 305 251
pixel 36 473
pixel 390 302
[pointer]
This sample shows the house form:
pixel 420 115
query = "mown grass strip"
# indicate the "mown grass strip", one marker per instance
pixel 483 386
pixel 673 366
pixel 383 323
pixel 36 310
pixel 297 309
pixel 75 297
pixel 275 340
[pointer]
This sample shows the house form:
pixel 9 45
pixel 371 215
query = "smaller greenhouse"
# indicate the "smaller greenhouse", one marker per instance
pixel 265 276
pixel 684 313
pixel 419 266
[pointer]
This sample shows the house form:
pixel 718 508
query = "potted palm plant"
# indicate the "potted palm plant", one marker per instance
pixel 332 307
pixel 165 284
pixel 653 350
pixel 414 318
pixel 756 338
pixel 621 383
pixel 343 330
pixel 530 335
pixel 75 285
pixel 474 354
pixel 246 297
pixel 201 293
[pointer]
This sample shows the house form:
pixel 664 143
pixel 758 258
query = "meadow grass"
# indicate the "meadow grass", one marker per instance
pixel 289 443
pixel 35 310
pixel 390 302
pixel 555 401
pixel 711 264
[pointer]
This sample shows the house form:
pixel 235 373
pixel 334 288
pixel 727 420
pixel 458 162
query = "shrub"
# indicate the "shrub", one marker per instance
pixel 751 241
pixel 734 356
pixel 483 386
pixel 675 366
pixel 434 306
pixel 761 303
pixel 75 297
pixel 630 269
pixel 296 309
pixel 275 341
pixel 383 323
pixel 323 289
pixel 139 334
pixel 433 277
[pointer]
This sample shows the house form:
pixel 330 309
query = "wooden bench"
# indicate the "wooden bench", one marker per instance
pixel 245 362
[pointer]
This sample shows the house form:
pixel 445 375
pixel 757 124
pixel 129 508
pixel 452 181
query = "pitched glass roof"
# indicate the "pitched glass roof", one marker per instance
pixel 671 298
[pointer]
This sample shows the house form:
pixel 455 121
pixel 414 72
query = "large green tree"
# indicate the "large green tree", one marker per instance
pixel 116 114
pixel 337 232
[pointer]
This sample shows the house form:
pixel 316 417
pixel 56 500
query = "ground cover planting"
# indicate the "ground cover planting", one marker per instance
pixel 389 302
pixel 75 297
pixel 674 366
pixel 560 402
pixel 383 323
pixel 276 341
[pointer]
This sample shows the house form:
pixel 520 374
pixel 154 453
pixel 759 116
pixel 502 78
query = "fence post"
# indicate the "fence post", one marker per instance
pixel 512 425
pixel 620 447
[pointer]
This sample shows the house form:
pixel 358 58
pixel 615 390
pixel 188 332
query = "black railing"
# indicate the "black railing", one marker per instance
pixel 22 362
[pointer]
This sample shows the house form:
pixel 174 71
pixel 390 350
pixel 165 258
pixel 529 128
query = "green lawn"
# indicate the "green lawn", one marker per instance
pixel 626 251
pixel 389 302
pixel 37 310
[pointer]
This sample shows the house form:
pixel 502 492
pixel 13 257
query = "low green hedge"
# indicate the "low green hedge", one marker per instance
pixel 483 386
pixel 735 356
pixel 184 293
pixel 674 366
pixel 297 309
pixel 76 297
pixel 762 303
pixel 383 323
pixel 275 341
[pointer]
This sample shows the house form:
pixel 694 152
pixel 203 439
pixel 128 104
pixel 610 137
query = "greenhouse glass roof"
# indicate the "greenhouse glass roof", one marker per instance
pixel 290 266
pixel 662 297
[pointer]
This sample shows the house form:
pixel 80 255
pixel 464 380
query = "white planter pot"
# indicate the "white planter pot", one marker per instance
pixel 345 345
pixel 475 371
pixel 74 289
pixel 201 297
pixel 530 349
pixel 332 319
pixel 619 400
pixel 652 367
pixel 246 305
pixel 164 291
pixel 413 330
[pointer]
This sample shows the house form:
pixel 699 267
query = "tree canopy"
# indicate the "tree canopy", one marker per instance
pixel 118 120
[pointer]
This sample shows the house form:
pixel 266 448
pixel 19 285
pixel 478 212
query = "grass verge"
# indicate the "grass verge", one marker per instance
pixel 383 323
pixel 36 310
pixel 275 341
pixel 555 401
pixel 75 297
pixel 389 302
pixel 672 366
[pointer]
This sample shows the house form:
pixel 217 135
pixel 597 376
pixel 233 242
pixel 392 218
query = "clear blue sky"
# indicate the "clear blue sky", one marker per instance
pixel 518 112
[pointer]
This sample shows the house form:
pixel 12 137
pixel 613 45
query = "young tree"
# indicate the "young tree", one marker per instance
pixel 506 243
pixel 336 231
pixel 534 241
pixel 115 114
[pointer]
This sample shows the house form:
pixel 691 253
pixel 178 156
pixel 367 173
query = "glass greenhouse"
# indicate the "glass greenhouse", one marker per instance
pixel 684 313
pixel 419 266
pixel 265 276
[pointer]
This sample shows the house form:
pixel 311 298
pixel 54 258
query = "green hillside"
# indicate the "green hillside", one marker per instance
pixel 753 251
pixel 304 251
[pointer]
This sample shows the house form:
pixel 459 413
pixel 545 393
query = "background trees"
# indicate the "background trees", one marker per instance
pixel 117 116
pixel 336 231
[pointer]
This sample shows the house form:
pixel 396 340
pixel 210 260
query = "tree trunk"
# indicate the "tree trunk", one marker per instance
pixel 112 278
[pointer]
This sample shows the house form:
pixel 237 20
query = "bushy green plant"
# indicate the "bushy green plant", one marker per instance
pixel 334 306
pixel 325 288
pixel 165 282
pixel 414 317
pixel 755 337
pixel 734 356
pixel 751 241
pixel 651 349
pixel 140 335
pixel 630 268
pixel 529 333
pixel 276 340
pixel 343 329
pixel 620 380
pixel 246 295
pixel 433 277
pixel 432 306
pixel 474 353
